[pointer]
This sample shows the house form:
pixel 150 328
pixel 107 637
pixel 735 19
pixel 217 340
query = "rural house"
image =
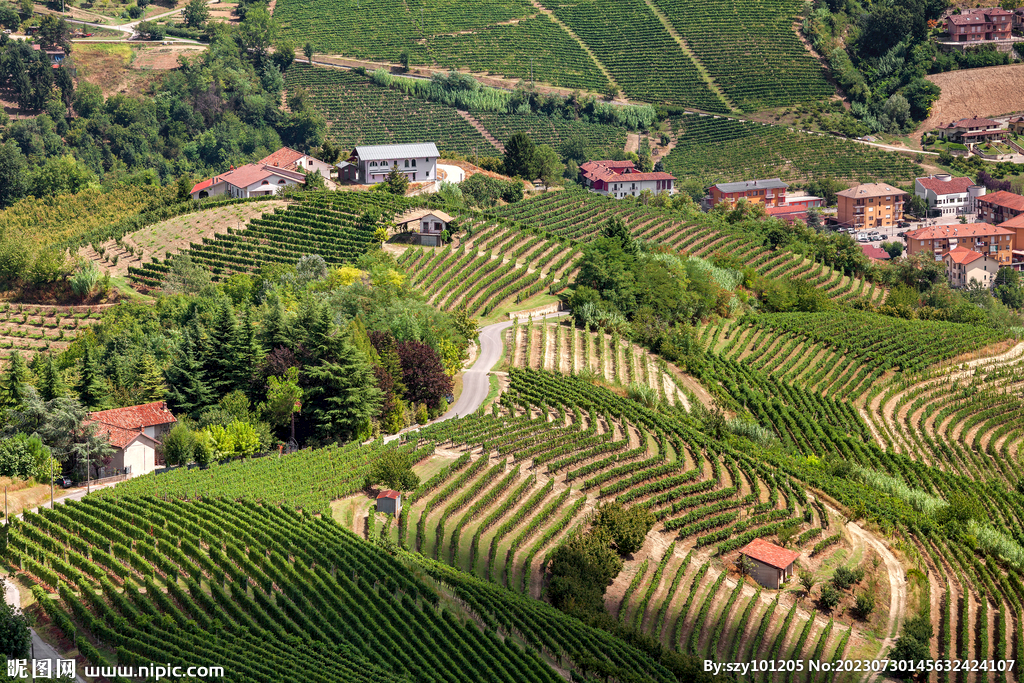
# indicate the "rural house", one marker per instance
pixel 971 130
pixel 430 223
pixel 973 25
pixel 370 164
pixel 1000 207
pixel 964 266
pixel 872 205
pixel 251 180
pixel 947 195
pixel 772 564
pixel 997 242
pixel 622 179
pixel 135 433
pixel 290 160
pixel 770 192
pixel 390 502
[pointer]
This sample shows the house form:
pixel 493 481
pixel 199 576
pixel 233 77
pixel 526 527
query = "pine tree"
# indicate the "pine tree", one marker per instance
pixel 275 326
pixel 248 352
pixel 91 387
pixel 15 381
pixel 342 394
pixel 149 381
pixel 188 391
pixel 51 380
pixel 222 362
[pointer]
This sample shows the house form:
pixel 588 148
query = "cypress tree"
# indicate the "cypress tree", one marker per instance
pixel 275 326
pixel 92 386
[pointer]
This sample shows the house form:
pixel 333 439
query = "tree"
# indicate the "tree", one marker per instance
pixel 51 380
pixel 307 50
pixel 423 374
pixel 195 14
pixel 627 527
pixel 257 31
pixel 188 391
pixel 865 605
pixel 341 393
pixel 91 386
pixel 13 176
pixel 380 235
pixel 582 568
pixel 808 581
pixel 1008 288
pixel 393 470
pixel 152 30
pixel 186 276
pixel 149 381
pixel 283 397
pixel 520 157
pixel 913 643
pixel 179 445
pixel 9 16
pixel 745 566
pixel 921 94
pixel 548 166
pixel 844 577
pixel 16 381
pixel 396 181
pixel 15 638
pixel 403 59
pixel 830 597
pixel 54 31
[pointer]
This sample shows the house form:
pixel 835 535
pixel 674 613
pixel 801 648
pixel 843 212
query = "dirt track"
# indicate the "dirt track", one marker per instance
pixel 991 91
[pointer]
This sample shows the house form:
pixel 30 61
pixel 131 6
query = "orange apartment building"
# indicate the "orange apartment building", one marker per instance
pixel 770 192
pixel 999 207
pixel 992 241
pixel 872 205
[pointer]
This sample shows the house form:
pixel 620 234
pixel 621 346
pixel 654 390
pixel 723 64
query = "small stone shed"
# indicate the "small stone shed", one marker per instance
pixel 389 501
pixel 431 223
pixel 773 564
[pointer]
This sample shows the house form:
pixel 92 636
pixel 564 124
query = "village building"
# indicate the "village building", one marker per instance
pixel 999 207
pixel 948 196
pixel 971 130
pixel 875 254
pixel 370 164
pixel 975 25
pixel 1016 123
pixel 251 180
pixel 390 502
pixel 964 266
pixel 773 564
pixel 994 241
pixel 622 179
pixel 430 223
pixel 1017 226
pixel 135 432
pixel 770 193
pixel 869 206
pixel 290 160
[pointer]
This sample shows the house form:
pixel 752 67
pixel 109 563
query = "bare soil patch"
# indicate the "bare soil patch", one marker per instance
pixel 163 58
pixel 991 91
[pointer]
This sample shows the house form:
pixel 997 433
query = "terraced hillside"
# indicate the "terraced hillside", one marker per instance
pixel 325 223
pixel 31 328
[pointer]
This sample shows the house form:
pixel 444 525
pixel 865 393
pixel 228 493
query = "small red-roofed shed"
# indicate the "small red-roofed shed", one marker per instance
pixel 389 501
pixel 773 564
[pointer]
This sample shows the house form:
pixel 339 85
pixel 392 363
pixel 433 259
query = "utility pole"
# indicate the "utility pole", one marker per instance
pixel 51 483
pixel 88 474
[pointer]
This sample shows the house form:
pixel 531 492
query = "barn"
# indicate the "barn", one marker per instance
pixel 389 501
pixel 773 564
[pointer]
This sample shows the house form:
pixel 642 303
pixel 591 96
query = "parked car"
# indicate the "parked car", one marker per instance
pixel 863 238
pixel 877 238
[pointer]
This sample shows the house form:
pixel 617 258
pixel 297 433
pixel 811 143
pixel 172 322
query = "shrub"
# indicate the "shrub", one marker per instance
pixel 830 597
pixel 845 577
pixel 865 605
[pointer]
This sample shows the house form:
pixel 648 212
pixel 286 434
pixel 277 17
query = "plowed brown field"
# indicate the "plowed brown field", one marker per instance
pixel 985 92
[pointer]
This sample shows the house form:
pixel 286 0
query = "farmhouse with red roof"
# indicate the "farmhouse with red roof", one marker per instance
pixel 976 25
pixel 773 564
pixel 972 130
pixel 251 180
pixel 135 433
pixel 389 501
pixel 622 179
pixel 964 266
pixel 290 160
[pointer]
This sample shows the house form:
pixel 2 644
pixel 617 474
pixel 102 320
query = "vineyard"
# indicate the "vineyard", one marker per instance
pixel 324 224
pixel 360 113
pixel 578 216
pixel 600 139
pixel 725 149
pixel 29 328
pixel 752 51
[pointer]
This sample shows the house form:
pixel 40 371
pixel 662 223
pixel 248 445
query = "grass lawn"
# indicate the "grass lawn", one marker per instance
pixel 500 314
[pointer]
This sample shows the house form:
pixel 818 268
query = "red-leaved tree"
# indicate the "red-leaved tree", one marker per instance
pixel 423 374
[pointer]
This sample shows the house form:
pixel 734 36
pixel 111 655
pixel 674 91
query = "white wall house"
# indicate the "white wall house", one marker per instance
pixel 288 159
pixel 251 180
pixel 370 164
pixel 965 265
pixel 622 179
pixel 135 433
pixel 947 195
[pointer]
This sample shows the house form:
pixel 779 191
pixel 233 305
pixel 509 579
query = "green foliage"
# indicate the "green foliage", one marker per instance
pixel 521 157
pixel 627 527
pixel 830 597
pixel 582 568
pixel 15 638
pixel 179 445
pixel 844 577
pixel 397 183
pixel 393 470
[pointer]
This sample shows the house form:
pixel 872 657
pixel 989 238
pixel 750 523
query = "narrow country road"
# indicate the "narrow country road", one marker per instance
pixel 40 648
pixel 476 383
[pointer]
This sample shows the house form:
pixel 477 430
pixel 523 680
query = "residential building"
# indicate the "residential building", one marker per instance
pixel 973 25
pixel 994 241
pixel 773 564
pixel 875 254
pixel 390 502
pixel 370 164
pixel 947 195
pixel 1016 123
pixel 964 266
pixel 872 205
pixel 1017 226
pixel 430 223
pixel 288 159
pixel 622 179
pixel 251 180
pixel 135 433
pixel 1000 207
pixel 969 130
pixel 770 192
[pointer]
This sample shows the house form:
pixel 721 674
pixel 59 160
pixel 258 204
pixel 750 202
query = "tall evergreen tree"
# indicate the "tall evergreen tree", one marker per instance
pixel 247 351
pixel 341 394
pixel 15 382
pixel 221 358
pixel 91 386
pixel 149 381
pixel 51 380
pixel 187 388
pixel 274 331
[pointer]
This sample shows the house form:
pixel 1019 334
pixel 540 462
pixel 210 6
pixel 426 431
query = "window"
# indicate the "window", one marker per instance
pixel 407 163
pixel 265 182
pixel 414 163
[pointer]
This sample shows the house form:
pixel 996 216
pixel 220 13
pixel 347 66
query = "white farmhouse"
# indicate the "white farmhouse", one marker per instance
pixel 290 160
pixel 370 164
pixel 622 179
pixel 948 195
pixel 251 180
pixel 135 434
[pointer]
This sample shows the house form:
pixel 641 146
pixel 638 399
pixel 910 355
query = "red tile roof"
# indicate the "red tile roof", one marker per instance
pixel 619 171
pixel 951 186
pixel 121 426
pixel 971 123
pixel 388 494
pixel 1015 222
pixel 940 232
pixel 963 255
pixel 202 185
pixel 769 553
pixel 1007 200
pixel 875 253
pixel 284 158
